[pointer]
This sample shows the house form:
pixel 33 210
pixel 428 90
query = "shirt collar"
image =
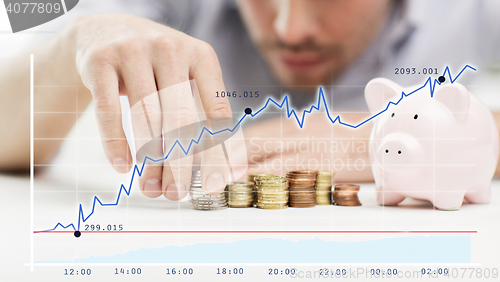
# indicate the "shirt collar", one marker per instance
pixel 401 25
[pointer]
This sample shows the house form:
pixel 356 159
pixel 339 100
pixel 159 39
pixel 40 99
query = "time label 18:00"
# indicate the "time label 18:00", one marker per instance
pixel 234 94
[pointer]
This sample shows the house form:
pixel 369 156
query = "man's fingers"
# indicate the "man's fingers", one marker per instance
pixel 281 164
pixel 177 173
pixel 215 170
pixel 105 92
pixel 140 87
pixel 179 111
pixel 260 147
pixel 207 73
pixel 150 182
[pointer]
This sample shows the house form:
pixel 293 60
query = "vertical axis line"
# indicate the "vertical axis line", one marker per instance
pixel 32 162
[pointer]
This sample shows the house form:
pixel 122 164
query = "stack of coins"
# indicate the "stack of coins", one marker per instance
pixel 240 194
pixel 301 186
pixel 200 200
pixel 250 177
pixel 272 192
pixel 324 181
pixel 346 195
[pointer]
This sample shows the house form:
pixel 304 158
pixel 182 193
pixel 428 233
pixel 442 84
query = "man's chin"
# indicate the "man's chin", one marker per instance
pixel 302 83
pixel 303 80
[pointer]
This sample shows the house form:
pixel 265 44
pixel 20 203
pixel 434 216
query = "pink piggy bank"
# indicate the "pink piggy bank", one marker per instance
pixel 441 148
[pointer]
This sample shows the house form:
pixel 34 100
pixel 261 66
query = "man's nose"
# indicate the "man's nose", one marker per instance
pixel 296 21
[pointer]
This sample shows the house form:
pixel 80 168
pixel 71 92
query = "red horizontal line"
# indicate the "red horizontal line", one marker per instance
pixel 265 231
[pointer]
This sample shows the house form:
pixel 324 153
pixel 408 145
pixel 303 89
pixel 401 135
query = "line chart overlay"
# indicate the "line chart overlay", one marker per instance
pixel 431 83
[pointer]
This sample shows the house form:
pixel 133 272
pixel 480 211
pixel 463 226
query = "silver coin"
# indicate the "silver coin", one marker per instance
pixel 208 206
pixel 207 202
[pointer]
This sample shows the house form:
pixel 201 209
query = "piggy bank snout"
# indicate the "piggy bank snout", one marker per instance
pixel 393 147
pixel 399 148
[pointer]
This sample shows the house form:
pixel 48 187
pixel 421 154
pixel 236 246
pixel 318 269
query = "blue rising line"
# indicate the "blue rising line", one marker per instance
pixel 321 100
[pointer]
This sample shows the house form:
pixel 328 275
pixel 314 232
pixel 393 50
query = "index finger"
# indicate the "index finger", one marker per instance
pixel 208 75
pixel 105 92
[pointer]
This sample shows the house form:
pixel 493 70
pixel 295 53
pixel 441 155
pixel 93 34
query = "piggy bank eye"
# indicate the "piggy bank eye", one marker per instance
pixel 392 115
pixel 415 116
pixel 386 151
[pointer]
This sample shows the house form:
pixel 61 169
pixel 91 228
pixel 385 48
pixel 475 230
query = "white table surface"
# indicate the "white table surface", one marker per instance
pixel 55 202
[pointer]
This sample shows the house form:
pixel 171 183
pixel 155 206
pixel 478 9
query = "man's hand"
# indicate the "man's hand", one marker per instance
pixel 319 145
pixel 151 64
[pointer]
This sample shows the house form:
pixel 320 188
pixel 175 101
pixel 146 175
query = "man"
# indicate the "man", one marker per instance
pixel 270 47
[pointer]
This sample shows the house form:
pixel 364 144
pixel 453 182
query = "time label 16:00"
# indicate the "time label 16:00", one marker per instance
pixel 234 94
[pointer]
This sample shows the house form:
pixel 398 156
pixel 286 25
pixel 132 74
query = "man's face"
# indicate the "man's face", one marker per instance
pixel 310 42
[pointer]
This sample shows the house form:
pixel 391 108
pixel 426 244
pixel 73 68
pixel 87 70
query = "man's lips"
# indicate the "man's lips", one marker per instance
pixel 301 62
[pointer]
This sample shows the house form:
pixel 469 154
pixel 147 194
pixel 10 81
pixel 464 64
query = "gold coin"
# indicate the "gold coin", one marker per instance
pixel 348 204
pixel 250 177
pixel 271 206
pixel 272 196
pixel 348 187
pixel 303 205
pixel 240 205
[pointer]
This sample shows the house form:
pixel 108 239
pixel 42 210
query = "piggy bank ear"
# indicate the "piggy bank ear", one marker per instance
pixel 456 98
pixel 378 93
